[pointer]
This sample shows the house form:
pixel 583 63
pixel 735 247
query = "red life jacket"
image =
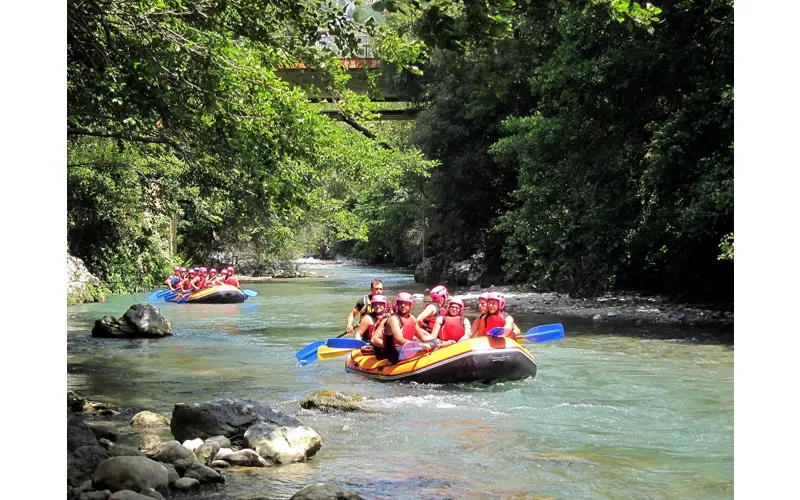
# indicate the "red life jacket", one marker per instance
pixel 452 328
pixel 493 321
pixel 409 329
pixel 427 323
pixel 375 320
pixel 232 282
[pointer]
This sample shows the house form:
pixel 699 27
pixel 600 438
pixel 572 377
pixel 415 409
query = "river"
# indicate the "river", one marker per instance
pixel 615 411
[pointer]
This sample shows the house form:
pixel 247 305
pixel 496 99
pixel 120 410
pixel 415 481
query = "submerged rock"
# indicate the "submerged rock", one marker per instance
pixel 324 491
pixel 333 401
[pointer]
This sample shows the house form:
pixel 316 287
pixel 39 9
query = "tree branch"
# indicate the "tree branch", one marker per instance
pixel 364 131
pixel 122 135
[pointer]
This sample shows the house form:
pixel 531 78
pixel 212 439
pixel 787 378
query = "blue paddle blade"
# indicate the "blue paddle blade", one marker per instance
pixel 158 294
pixel 496 331
pixel 184 298
pixel 545 333
pixel 171 296
pixel 309 350
pixel 249 293
pixel 308 359
pixel 339 343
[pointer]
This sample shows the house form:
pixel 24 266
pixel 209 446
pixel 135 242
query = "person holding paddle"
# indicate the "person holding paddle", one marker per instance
pixel 364 304
pixel 453 326
pixel 373 319
pixel 497 317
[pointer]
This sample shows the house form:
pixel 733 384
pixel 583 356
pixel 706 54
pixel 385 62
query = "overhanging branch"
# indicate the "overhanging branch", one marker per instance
pixel 364 131
pixel 122 135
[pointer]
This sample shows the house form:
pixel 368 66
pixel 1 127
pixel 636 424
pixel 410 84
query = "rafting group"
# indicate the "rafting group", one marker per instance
pixel 198 278
pixel 388 327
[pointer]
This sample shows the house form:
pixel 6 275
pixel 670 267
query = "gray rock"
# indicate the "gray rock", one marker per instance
pixel 326 400
pixel 244 458
pixel 204 474
pixel 170 452
pixel 75 401
pixel 475 288
pixel 222 453
pixel 220 464
pixel 597 317
pixel 222 441
pixel 101 431
pixel 150 492
pixel 148 419
pixel 324 491
pixel 130 473
pixel 120 450
pixel 206 452
pixel 82 462
pixel 95 495
pixel 128 495
pixel 140 320
pixel 173 474
pixel 78 434
pixel 82 286
pixel 182 465
pixel 187 484
pixel 283 444
pixel 224 417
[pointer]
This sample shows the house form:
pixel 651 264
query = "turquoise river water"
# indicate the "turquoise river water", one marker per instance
pixel 642 412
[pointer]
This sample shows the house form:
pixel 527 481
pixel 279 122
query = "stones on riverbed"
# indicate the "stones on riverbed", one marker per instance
pixel 326 401
pixel 283 445
pixel 319 491
pixel 130 473
pixel 140 320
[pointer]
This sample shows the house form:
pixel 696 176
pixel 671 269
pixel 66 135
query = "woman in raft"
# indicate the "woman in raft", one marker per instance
pixel 399 329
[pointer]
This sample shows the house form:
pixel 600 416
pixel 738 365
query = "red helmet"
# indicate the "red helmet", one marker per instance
pixel 501 300
pixel 212 270
pixel 379 299
pixel 404 297
pixel 458 302
pixel 438 293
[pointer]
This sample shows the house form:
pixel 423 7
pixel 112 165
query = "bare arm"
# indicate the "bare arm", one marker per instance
pixel 467 332
pixel 420 332
pixel 427 311
pixel 436 327
pixel 350 317
pixel 365 323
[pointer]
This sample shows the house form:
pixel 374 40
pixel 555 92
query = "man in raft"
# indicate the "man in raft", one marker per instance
pixel 434 310
pixel 364 304
pixel 497 317
pixel 453 326
pixel 370 321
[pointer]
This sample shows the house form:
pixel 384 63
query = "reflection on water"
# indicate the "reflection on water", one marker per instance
pixel 615 411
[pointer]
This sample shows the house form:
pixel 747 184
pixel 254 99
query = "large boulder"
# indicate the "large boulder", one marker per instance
pixel 324 491
pixel 170 452
pixel 130 473
pixel 224 417
pixel 283 445
pixel 82 462
pixel 140 320
pixel 82 286
pixel 147 419
pixel 78 434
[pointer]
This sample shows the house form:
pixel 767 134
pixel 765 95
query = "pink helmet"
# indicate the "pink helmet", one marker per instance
pixel 458 302
pixel 230 269
pixel 203 270
pixel 438 293
pixel 379 299
pixel 484 296
pixel 212 270
pixel 191 271
pixel 499 297
pixel 223 271
pixel 183 269
pixel 176 268
pixel 404 297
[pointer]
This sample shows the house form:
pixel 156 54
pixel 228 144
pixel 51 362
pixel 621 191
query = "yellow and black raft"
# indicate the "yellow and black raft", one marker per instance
pixel 481 359
pixel 221 294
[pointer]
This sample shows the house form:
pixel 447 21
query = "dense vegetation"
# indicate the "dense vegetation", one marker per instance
pixel 578 146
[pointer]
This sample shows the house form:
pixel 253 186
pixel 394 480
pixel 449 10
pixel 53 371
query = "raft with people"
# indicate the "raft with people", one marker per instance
pixel 481 359
pixel 220 294
pixel 201 286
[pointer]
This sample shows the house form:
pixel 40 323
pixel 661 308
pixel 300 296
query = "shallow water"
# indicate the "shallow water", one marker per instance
pixel 614 411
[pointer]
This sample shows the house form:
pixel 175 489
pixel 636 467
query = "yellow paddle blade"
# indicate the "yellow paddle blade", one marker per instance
pixel 326 352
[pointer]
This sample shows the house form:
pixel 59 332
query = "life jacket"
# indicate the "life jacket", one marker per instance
pixel 493 321
pixel 367 309
pixel 409 329
pixel 202 283
pixel 232 282
pixel 427 323
pixel 375 321
pixel 210 283
pixel 185 284
pixel 452 328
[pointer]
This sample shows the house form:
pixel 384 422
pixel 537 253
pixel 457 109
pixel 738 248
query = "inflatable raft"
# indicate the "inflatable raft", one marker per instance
pixel 482 359
pixel 222 294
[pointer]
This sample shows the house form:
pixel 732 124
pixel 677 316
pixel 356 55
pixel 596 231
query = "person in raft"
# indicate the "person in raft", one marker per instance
pixel 364 304
pixel 497 317
pixel 186 284
pixel 453 326
pixel 400 328
pixel 371 320
pixel 435 309
pixel 212 278
pixel 174 278
pixel 230 280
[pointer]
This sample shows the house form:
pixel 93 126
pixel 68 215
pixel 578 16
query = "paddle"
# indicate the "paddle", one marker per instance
pixel 541 333
pixel 340 343
pixel 308 354
pixel 184 298
pixel 158 294
pixel 325 352
pixel 409 350
pixel 249 293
